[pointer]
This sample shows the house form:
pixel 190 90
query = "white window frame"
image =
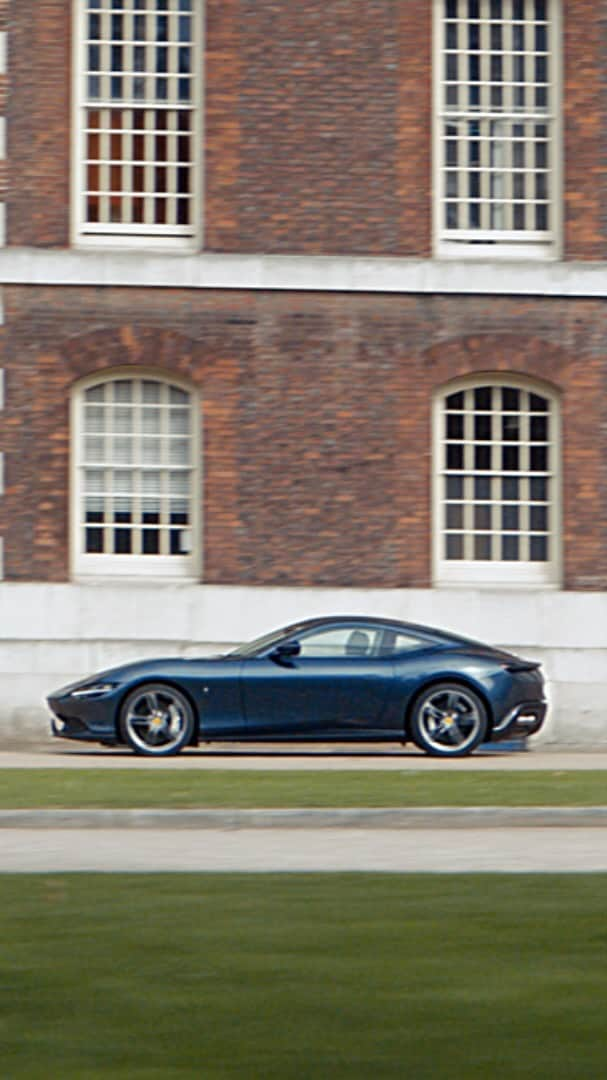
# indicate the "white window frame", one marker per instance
pixel 497 573
pixel 153 237
pixel 86 566
pixel 468 244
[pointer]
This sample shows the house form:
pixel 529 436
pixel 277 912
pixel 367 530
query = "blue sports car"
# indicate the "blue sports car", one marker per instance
pixel 340 679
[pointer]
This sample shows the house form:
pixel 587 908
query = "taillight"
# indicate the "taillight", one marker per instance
pixel 521 665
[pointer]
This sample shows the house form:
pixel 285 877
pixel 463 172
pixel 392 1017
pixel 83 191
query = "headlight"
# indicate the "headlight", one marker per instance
pixel 94 690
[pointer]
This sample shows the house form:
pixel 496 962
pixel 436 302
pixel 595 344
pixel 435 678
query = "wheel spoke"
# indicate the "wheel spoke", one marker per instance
pixel 138 720
pixel 436 714
pixel 175 724
pixel 456 734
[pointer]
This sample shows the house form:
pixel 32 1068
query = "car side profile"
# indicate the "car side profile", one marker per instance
pixel 342 679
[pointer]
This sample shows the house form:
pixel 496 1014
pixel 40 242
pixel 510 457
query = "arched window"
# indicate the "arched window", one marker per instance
pixel 135 469
pixel 496 483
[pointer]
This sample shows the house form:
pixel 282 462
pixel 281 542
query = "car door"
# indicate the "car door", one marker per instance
pixel 335 687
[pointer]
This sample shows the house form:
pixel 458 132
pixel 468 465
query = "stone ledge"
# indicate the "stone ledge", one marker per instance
pixel 300 273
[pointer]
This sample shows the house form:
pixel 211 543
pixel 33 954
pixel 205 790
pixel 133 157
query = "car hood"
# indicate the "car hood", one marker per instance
pixel 142 669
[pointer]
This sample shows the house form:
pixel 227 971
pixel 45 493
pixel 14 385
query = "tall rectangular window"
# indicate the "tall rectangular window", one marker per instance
pixel 496 105
pixel 137 146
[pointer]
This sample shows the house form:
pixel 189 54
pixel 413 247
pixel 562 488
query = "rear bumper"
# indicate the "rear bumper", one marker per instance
pixel 524 719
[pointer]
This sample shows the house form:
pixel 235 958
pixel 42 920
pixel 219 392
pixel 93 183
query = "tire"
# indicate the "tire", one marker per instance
pixel 157 720
pixel 448 720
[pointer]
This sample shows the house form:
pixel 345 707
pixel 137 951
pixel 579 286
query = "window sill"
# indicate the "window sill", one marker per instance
pixel 500 251
pixel 132 581
pixel 166 245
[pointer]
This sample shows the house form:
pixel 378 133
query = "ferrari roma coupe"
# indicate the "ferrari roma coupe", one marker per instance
pixel 337 679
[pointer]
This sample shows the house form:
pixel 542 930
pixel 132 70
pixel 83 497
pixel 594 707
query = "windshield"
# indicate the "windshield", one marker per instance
pixel 261 644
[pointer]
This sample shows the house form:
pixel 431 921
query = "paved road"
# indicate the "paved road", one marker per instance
pixel 55 755
pixel 285 850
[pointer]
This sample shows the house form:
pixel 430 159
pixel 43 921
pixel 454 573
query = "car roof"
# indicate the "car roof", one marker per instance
pixel 379 620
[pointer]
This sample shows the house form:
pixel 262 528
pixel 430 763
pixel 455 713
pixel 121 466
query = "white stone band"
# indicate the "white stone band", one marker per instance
pixel 300 273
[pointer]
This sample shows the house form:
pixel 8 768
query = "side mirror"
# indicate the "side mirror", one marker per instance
pixel 286 651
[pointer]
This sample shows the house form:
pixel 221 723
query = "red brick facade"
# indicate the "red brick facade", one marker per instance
pixel 315 409
pixel 317 124
pixel 316 414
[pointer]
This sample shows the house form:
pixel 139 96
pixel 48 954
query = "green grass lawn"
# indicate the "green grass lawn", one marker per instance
pixel 21 788
pixel 284 977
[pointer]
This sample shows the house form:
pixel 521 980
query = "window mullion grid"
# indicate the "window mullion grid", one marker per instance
pixel 149 215
pixel 500 182
pixel 444 486
pixel 128 173
pixel 469 501
pixel 109 476
pixel 550 523
pixel 495 480
pixel 137 459
pixel 105 65
pixel 529 110
pixel 171 165
pixel 507 125
pixel 126 128
pixel 135 85
pixel 104 167
pixel 525 479
pixel 461 127
pixel 503 491
pixel 550 162
pixel 165 514
pixel 485 125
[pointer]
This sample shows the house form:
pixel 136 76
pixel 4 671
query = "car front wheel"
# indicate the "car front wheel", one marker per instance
pixel 448 720
pixel 157 720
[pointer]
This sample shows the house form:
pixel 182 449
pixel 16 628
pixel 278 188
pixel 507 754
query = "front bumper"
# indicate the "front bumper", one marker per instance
pixel 87 720
pixel 76 729
pixel 526 718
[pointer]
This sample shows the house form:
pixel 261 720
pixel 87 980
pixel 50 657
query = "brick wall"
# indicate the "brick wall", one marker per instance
pixel 4 5
pixel 585 129
pixel 316 415
pixel 38 117
pixel 317 126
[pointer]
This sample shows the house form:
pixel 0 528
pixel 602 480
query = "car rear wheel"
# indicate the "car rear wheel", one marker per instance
pixel 448 720
pixel 157 720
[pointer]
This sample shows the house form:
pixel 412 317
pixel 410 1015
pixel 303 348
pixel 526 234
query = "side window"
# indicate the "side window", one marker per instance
pixel 394 643
pixel 340 641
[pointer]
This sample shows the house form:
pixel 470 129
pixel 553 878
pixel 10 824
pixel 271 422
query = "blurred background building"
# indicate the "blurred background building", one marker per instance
pixel 303 311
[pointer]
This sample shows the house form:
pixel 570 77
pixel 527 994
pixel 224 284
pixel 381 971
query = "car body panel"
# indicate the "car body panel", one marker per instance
pixel 257 694
pixel 314 697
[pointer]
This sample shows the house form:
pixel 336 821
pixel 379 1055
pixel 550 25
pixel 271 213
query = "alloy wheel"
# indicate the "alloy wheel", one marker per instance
pixel 449 720
pixel 157 720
